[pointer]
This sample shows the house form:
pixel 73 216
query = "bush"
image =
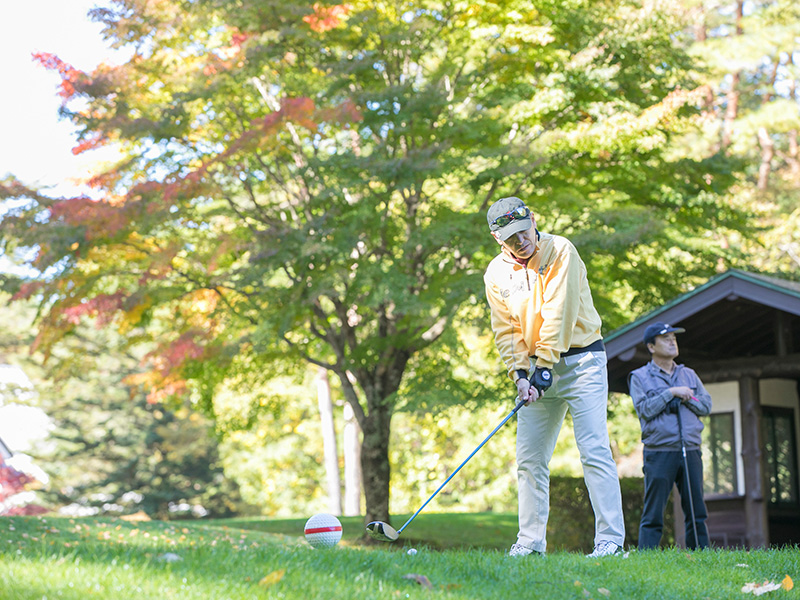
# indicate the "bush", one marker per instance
pixel 571 523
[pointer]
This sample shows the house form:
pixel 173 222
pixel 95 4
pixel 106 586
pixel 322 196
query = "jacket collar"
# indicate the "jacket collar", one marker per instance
pixel 656 370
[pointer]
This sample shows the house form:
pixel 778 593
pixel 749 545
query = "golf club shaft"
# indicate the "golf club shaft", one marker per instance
pixel 688 478
pixel 519 405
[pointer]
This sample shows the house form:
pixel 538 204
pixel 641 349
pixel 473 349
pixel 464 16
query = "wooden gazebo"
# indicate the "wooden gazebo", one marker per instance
pixel 743 339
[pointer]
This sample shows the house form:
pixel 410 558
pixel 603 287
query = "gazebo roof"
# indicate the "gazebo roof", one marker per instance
pixel 736 318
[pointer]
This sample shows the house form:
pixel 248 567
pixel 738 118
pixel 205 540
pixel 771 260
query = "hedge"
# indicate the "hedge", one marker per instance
pixel 572 519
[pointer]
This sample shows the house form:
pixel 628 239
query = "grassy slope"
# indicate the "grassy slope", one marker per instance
pixel 108 558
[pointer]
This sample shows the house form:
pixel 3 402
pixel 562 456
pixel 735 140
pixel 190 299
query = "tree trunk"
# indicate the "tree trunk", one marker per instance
pixel 329 442
pixel 731 110
pixel 793 158
pixel 700 30
pixel 375 468
pixel 767 152
pixel 732 97
pixel 352 463
pixel 374 417
pixel 794 163
pixel 773 77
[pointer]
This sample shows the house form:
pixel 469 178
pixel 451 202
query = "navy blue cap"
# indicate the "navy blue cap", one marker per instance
pixel 659 328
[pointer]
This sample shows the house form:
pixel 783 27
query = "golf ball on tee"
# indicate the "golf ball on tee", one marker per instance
pixel 323 531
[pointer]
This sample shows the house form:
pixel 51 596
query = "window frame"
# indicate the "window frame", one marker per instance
pixel 771 412
pixel 708 463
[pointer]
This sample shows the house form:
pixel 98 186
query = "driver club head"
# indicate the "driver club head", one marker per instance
pixel 378 530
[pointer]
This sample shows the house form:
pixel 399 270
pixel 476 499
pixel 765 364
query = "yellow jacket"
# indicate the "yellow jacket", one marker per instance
pixel 540 310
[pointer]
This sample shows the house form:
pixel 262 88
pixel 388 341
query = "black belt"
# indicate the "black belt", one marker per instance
pixel 593 347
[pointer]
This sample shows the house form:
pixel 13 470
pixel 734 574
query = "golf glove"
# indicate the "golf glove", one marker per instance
pixel 542 379
pixel 673 405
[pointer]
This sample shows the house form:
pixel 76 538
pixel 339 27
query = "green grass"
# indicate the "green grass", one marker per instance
pixel 441 531
pixel 256 558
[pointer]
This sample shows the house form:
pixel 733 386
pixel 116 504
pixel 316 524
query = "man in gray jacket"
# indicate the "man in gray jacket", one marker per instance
pixel 669 399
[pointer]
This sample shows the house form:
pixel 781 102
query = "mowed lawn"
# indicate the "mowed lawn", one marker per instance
pixel 489 531
pixel 458 556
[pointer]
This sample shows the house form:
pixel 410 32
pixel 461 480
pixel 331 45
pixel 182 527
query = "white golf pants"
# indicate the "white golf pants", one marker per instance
pixel 580 385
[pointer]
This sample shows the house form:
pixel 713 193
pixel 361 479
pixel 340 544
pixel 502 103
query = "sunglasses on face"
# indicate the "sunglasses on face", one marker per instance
pixel 517 214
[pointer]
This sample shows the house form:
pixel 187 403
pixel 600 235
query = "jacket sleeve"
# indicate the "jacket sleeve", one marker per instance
pixel 507 334
pixel 702 405
pixel 648 403
pixel 561 303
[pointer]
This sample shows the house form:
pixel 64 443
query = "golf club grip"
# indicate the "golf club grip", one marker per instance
pixel 519 405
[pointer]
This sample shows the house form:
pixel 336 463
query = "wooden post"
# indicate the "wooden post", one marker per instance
pixel 783 335
pixel 680 519
pixel 331 453
pixel 352 463
pixel 755 503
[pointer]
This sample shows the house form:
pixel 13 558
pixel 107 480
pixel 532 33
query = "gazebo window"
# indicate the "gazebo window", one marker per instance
pixel 780 449
pixel 719 455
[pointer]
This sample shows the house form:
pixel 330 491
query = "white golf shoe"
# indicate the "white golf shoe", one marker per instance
pixel 520 550
pixel 605 548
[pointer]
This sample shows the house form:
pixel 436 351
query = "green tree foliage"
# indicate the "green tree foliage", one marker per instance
pixel 272 444
pixel 308 183
pixel 117 452
pixel 748 58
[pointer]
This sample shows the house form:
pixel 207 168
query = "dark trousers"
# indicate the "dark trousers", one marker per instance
pixel 661 470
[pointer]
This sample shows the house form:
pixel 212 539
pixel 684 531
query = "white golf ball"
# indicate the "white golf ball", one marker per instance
pixel 411 551
pixel 323 531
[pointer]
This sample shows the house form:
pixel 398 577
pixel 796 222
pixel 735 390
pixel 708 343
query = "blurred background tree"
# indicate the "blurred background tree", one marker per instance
pixel 747 54
pixel 111 451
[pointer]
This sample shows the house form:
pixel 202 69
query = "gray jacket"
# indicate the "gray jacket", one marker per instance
pixel 649 387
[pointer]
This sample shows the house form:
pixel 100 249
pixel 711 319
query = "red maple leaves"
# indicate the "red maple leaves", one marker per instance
pixel 89 143
pixel 325 18
pixel 70 76
pixel 99 217
pixel 101 307
pixel 178 352
pixel 164 379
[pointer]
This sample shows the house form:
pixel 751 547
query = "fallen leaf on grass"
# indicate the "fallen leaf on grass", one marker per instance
pixel 787 583
pixel 272 578
pixel 604 591
pixel 760 588
pixel 420 579
pixel 138 516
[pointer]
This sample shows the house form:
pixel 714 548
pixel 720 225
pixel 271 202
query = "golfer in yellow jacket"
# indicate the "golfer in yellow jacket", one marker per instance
pixel 547 332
